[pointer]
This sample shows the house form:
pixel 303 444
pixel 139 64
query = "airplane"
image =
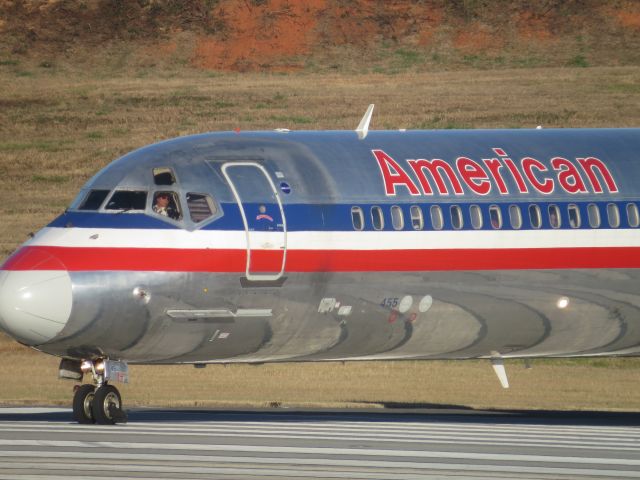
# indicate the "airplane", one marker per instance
pixel 292 246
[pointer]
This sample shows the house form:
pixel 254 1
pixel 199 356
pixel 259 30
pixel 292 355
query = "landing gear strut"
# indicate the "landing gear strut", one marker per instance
pixel 102 403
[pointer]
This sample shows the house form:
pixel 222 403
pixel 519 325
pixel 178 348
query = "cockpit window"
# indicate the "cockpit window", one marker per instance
pixel 93 200
pixel 163 176
pixel 167 205
pixel 201 206
pixel 127 200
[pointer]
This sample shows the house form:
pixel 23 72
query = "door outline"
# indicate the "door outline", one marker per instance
pixel 249 275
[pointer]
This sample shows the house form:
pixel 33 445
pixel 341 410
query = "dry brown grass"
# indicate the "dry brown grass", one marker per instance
pixel 29 378
pixel 56 130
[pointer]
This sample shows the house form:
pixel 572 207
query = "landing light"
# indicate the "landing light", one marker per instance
pixel 85 366
pixel 563 302
pixel 99 366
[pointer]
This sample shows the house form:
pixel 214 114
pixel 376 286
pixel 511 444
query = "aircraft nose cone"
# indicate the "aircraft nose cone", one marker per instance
pixel 35 304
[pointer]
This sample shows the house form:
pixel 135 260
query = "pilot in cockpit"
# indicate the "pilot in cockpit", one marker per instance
pixel 163 205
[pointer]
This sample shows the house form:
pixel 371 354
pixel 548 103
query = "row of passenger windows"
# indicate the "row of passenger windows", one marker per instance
pixel 495 218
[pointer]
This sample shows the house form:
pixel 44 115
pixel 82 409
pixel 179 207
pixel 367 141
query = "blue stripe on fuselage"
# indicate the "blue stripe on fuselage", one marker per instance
pixel 337 217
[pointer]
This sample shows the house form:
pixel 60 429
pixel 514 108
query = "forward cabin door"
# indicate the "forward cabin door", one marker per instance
pixel 263 217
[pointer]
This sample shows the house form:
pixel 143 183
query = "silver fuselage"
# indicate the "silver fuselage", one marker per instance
pixel 281 269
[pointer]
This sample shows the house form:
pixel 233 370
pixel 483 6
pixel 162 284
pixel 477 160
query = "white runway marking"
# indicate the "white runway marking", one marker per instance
pixel 301 446
pixel 535 437
pixel 366 452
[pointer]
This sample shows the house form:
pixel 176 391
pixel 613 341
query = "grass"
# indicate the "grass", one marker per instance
pixel 54 179
pixel 37 145
pixel 583 384
pixel 579 61
pixel 63 128
pixel 294 119
pixel 625 88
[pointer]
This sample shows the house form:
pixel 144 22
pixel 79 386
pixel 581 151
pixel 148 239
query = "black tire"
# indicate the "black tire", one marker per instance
pixel 83 404
pixel 106 399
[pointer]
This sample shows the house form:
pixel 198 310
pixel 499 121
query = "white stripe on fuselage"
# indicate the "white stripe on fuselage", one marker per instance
pixel 335 240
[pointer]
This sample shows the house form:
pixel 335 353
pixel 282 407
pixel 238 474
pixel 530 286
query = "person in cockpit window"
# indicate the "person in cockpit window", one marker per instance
pixel 163 205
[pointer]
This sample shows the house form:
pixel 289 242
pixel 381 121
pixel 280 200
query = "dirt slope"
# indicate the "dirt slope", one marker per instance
pixel 272 35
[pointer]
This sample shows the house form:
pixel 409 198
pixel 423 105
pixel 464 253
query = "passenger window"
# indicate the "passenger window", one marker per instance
pixel 594 215
pixel 456 217
pixel 417 222
pixel 632 215
pixel 476 216
pixel 495 216
pixel 613 215
pixel 357 218
pixel 534 216
pixel 201 206
pixel 436 217
pixel 167 205
pixel 515 217
pixel 93 200
pixel 127 200
pixel 163 176
pixel 554 216
pixel 377 218
pixel 397 219
pixel 574 216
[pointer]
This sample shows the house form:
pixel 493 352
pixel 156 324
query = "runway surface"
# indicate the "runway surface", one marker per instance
pixel 44 443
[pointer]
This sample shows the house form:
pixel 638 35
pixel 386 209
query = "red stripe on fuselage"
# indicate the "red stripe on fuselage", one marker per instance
pixel 234 261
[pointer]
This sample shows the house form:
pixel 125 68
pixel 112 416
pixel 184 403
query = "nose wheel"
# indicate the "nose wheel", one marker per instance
pixel 107 406
pixel 83 404
pixel 101 402
pixel 102 405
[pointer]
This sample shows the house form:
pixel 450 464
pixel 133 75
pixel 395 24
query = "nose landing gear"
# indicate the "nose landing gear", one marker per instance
pixel 102 403
pixel 83 403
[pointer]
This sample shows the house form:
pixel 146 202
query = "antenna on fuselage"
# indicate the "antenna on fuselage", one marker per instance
pixel 498 367
pixel 363 126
